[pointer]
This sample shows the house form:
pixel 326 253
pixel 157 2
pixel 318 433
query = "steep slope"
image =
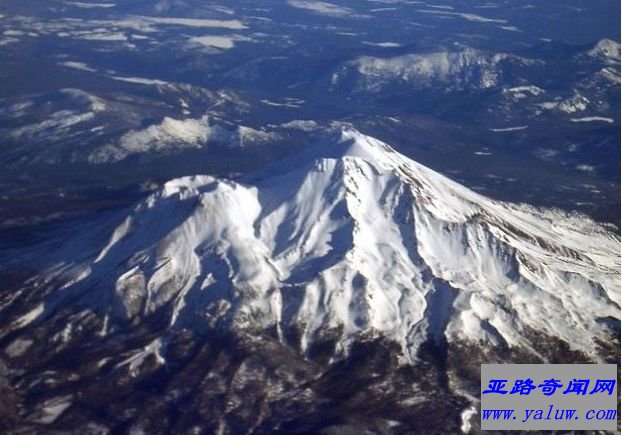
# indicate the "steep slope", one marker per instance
pixel 351 239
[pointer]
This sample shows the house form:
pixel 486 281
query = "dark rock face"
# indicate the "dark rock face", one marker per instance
pixel 245 383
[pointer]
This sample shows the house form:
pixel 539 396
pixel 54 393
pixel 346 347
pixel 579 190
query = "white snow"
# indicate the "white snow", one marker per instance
pixel 52 409
pixel 608 50
pixel 466 68
pixel 95 104
pixel 593 119
pixel 466 417
pixel 104 36
pixel 171 134
pixel 11 32
pixel 521 92
pixel 194 22
pixel 140 80
pixel 18 347
pixel 291 103
pixel 219 42
pixel 179 133
pixel 320 7
pixel 222 42
pixel 586 168
pixel 54 126
pixel 117 30
pixel 134 362
pixel 574 104
pixel 77 65
pixel 7 41
pixel 467 16
pixel 91 5
pixel 387 44
pixel 382 9
pixel 508 129
pixel 301 124
pixel 611 75
pixel 29 317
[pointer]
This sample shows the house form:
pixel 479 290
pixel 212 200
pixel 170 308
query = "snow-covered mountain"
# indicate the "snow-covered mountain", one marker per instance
pixel 354 236
pixel 531 89
pixel 349 242
pixel 450 70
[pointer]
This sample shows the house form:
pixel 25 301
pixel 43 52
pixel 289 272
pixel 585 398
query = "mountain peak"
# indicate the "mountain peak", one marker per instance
pixel 343 143
pixel 356 144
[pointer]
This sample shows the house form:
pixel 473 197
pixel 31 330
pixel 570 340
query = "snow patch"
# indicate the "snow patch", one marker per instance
pixel 18 347
pixel 322 8
pixel 77 65
pixel 194 22
pixel 467 16
pixel 383 44
pixel 173 134
pixel 304 125
pixel 594 119
pixel 219 42
pixel 52 409
pixel 85 5
pixel 135 362
pixel 508 129
pixel 140 80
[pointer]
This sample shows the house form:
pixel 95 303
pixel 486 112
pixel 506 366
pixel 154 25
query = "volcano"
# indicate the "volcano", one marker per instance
pixel 346 261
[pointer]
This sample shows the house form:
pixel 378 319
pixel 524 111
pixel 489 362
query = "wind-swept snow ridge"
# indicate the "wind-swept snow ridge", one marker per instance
pixel 353 237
